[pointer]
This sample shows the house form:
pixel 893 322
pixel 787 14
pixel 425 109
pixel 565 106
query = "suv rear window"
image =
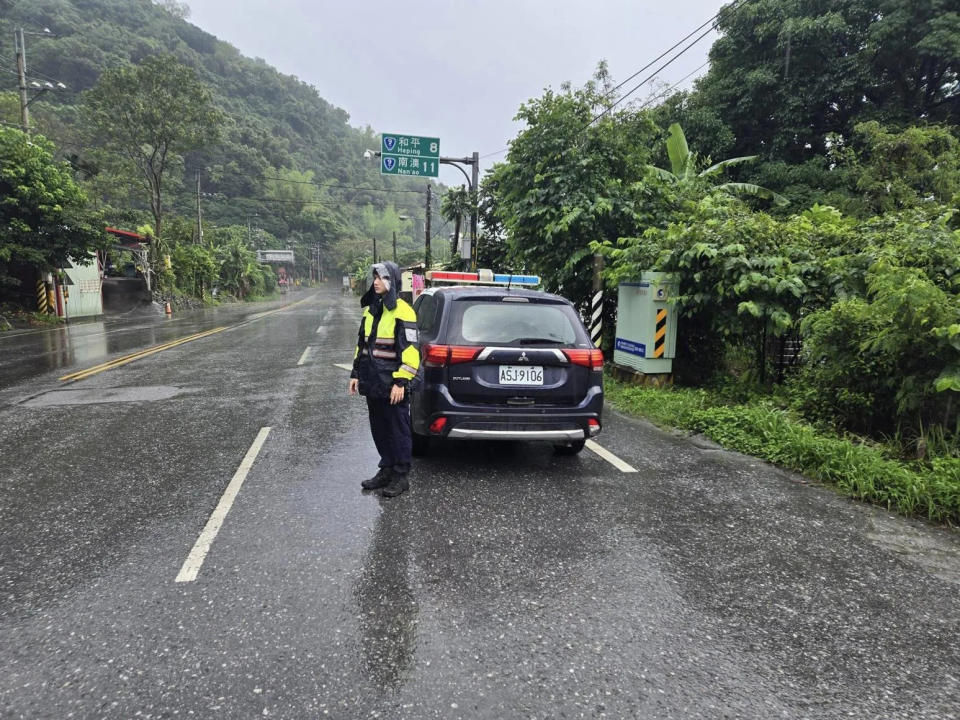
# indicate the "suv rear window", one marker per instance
pixel 514 323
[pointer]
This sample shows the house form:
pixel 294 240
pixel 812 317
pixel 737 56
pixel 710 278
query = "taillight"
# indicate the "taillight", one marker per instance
pixel 592 358
pixel 462 354
pixel 441 355
pixel 593 426
pixel 435 355
pixel 438 425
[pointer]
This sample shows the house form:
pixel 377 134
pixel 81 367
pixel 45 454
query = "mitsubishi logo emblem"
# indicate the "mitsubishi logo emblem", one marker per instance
pixel 523 357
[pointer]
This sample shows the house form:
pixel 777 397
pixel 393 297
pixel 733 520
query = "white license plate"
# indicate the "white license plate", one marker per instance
pixel 521 375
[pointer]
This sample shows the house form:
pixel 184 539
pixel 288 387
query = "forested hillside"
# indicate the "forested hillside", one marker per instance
pixel 286 163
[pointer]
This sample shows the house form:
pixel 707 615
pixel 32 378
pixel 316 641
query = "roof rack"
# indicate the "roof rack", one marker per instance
pixel 482 277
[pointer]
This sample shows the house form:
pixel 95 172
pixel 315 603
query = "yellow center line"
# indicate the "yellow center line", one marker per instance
pixel 118 362
pixel 82 374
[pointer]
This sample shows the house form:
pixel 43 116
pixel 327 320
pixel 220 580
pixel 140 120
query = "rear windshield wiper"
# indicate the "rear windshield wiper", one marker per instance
pixel 538 341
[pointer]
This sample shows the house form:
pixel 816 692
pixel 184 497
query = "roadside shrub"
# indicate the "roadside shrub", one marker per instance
pixel 874 365
pixel 863 471
pixel 839 384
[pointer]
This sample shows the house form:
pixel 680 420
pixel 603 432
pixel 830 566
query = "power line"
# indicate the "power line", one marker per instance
pixel 669 50
pixel 736 4
pixel 666 92
pixel 332 186
pixel 32 71
pixel 324 203
pixel 646 80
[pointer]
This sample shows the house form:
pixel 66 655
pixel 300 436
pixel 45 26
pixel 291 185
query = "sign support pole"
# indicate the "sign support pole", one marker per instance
pixel 426 246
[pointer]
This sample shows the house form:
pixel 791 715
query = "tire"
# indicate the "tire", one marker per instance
pixel 570 448
pixel 421 445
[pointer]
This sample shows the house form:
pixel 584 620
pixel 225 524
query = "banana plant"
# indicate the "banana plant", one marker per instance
pixel 683 169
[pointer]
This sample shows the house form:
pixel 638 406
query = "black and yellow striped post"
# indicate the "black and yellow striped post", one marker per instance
pixel 660 335
pixel 41 296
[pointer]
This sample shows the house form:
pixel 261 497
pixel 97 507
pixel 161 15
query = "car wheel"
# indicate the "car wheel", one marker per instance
pixel 570 448
pixel 421 444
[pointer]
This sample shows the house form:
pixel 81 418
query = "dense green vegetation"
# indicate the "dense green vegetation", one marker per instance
pixel 152 101
pixel 834 221
pixel 42 209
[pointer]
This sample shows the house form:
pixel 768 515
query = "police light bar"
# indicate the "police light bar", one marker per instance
pixel 483 277
pixel 517 279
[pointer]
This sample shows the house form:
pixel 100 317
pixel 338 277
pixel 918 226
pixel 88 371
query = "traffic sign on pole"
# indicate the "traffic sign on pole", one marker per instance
pixel 409 145
pixel 409 155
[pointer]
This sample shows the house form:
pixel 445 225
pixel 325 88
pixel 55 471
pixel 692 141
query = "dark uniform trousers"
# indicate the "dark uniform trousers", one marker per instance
pixel 390 427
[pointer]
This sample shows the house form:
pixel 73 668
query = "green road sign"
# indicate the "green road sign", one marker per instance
pixel 409 155
pixel 403 165
pixel 409 145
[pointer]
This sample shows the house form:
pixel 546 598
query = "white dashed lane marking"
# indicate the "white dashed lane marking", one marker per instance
pixel 191 567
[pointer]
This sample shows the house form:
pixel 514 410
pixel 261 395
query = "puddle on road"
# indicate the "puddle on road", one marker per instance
pixel 93 396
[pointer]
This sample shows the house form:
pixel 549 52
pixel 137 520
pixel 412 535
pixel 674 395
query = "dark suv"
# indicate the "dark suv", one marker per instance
pixel 505 364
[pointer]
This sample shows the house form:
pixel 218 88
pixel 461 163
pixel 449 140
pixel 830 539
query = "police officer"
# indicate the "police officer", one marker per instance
pixel 384 363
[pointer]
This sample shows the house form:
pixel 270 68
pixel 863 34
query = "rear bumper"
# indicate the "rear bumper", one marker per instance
pixel 488 422
pixel 550 435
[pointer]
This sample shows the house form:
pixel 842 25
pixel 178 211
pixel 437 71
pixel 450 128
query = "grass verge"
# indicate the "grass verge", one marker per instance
pixel 758 428
pixel 13 317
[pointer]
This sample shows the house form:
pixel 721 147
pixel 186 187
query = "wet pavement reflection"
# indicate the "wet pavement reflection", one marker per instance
pixel 28 353
pixel 388 610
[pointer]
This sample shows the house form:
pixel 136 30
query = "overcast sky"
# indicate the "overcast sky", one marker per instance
pixel 457 69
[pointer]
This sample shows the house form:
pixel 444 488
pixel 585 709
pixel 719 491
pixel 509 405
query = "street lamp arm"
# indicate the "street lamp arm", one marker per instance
pixel 39 93
pixel 451 161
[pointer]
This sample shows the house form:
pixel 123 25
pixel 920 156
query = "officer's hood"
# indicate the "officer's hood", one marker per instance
pixel 391 273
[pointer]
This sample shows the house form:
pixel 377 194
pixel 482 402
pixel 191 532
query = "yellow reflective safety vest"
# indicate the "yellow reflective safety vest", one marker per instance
pixel 385 354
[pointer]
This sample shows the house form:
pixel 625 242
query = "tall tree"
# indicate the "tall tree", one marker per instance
pixel 785 74
pixel 569 179
pixel 151 114
pixel 43 216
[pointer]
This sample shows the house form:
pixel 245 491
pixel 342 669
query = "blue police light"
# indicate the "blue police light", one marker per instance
pixel 517 279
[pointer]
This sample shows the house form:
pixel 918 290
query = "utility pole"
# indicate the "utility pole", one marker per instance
pixel 374 250
pixel 199 213
pixel 475 172
pixel 427 260
pixel 394 246
pixel 22 79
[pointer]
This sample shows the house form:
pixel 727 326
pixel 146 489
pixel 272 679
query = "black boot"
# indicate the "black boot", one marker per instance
pixel 398 485
pixel 381 479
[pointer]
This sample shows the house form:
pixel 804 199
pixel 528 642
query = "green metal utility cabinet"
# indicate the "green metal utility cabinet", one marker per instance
pixel 647 324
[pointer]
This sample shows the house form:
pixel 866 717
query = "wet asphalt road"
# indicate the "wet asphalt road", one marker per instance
pixel 508 583
pixel 29 353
